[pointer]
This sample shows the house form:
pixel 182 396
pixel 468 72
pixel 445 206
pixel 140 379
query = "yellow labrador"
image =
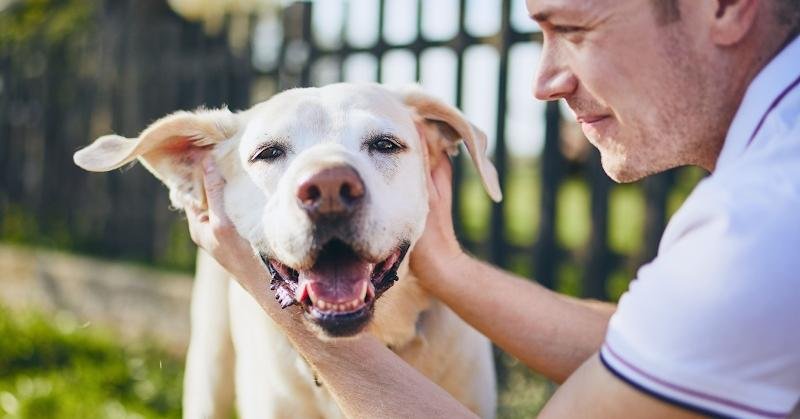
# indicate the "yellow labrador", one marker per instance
pixel 329 187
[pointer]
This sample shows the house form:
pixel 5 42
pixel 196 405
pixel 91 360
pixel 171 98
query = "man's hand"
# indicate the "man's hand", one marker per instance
pixel 438 242
pixel 212 230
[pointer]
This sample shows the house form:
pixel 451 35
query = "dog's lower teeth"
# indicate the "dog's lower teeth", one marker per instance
pixel 340 307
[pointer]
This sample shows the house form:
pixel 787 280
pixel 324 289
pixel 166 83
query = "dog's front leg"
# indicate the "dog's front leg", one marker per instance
pixel 208 385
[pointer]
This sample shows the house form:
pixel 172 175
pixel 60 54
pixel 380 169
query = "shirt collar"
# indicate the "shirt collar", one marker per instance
pixel 770 83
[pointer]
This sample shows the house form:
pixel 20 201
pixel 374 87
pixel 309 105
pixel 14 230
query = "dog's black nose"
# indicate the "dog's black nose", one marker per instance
pixel 331 192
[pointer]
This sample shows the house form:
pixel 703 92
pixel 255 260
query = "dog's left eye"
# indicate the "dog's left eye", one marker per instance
pixel 269 154
pixel 384 144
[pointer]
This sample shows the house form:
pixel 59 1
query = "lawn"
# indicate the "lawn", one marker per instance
pixel 54 367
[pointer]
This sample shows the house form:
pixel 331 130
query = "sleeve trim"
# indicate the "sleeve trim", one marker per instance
pixel 703 403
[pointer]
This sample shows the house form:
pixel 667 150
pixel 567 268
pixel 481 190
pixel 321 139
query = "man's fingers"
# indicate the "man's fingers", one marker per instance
pixel 442 176
pixel 214 185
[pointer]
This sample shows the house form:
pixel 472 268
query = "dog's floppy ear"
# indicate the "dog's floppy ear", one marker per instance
pixel 443 126
pixel 171 148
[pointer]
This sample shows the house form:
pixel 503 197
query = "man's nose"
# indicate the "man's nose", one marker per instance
pixel 554 80
pixel 331 192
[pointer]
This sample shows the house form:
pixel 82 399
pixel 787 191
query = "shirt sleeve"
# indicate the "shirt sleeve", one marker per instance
pixel 713 323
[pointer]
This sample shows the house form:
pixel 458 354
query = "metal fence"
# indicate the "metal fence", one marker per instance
pixel 141 61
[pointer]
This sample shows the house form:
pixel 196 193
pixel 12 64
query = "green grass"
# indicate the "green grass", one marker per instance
pixel 53 367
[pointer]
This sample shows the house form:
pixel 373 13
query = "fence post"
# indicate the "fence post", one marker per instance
pixel 546 254
pixel 599 263
pixel 499 254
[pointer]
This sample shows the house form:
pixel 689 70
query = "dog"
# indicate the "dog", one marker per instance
pixel 328 185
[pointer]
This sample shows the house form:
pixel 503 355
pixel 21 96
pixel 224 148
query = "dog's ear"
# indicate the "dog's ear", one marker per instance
pixel 171 148
pixel 442 127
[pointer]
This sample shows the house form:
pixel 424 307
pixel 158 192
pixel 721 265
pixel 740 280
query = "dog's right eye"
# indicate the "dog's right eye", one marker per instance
pixel 269 153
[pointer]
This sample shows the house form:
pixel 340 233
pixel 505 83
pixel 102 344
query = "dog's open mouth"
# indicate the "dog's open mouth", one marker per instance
pixel 338 292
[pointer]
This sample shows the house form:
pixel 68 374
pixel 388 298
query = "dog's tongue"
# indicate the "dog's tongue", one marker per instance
pixel 337 277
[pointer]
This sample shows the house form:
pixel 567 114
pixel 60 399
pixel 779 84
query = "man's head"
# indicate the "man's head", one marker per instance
pixel 656 83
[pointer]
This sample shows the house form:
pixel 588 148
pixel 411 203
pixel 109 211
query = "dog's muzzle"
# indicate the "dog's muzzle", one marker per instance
pixel 339 288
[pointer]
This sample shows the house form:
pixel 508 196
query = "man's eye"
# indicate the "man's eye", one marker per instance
pixel 269 154
pixel 384 145
pixel 566 29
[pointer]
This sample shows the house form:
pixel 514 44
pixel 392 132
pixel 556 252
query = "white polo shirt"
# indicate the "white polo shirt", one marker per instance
pixel 713 323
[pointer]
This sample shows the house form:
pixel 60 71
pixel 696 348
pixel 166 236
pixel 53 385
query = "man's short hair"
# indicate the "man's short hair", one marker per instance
pixel 787 12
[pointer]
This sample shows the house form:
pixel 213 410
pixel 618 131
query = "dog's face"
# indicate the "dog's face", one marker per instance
pixel 327 184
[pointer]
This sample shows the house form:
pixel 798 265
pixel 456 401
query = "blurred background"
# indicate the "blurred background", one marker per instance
pixel 95 269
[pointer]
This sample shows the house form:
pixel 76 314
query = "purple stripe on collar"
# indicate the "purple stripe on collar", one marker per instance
pixel 694 393
pixel 772 106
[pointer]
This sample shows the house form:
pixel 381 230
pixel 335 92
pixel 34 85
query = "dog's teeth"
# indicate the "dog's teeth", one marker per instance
pixel 311 295
pixel 370 290
pixel 301 292
pixel 363 291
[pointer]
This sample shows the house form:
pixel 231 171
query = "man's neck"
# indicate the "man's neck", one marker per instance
pixel 754 57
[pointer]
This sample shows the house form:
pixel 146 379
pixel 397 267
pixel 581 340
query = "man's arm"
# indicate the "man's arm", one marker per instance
pixel 551 333
pixel 593 392
pixel 363 375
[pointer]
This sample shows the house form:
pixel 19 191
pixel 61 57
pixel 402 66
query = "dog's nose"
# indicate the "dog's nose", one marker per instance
pixel 331 192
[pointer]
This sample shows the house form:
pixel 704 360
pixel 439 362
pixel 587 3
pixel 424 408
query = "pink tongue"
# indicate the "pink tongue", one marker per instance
pixel 337 281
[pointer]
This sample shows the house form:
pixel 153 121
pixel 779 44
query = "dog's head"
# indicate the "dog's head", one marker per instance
pixel 327 184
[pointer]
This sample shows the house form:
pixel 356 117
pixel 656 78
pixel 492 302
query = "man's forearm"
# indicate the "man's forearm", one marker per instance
pixel 364 376
pixel 551 333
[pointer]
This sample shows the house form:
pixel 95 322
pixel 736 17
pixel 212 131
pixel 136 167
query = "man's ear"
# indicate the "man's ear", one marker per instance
pixel 442 127
pixel 733 19
pixel 171 148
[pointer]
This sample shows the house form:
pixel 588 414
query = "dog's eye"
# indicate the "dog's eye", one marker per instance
pixel 384 144
pixel 269 154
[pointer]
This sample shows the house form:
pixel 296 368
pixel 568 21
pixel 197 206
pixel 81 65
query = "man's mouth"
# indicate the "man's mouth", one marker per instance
pixel 338 292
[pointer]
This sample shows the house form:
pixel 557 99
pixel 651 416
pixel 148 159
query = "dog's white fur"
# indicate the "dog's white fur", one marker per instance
pixel 233 341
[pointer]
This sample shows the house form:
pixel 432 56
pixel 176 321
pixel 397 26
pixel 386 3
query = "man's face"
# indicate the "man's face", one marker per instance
pixel 636 86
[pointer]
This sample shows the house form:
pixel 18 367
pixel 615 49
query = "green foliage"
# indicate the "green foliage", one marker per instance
pixel 522 392
pixel 52 367
pixel 181 250
pixel 18 225
pixel 45 23
pixel 627 212
pixel 522 193
pixel 573 218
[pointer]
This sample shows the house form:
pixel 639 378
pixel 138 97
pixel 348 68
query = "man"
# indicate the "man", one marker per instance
pixel 707 328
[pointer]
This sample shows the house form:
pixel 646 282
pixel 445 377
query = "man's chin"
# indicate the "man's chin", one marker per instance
pixel 621 170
